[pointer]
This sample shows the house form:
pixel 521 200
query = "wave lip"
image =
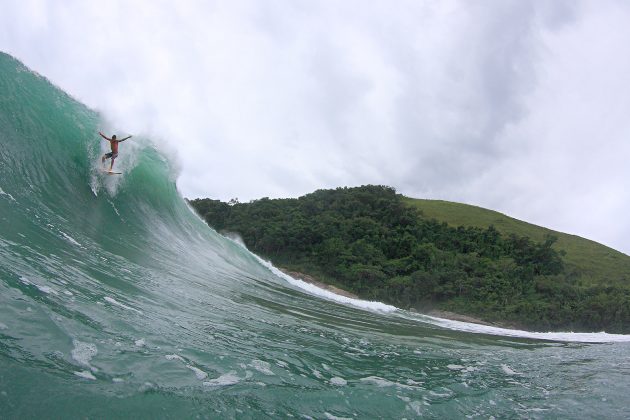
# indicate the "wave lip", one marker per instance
pixel 592 337
pixel 327 294
pixel 573 337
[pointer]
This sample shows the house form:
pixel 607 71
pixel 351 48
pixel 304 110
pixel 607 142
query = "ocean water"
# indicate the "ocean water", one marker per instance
pixel 117 301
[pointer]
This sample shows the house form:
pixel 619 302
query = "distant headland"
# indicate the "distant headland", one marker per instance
pixel 436 257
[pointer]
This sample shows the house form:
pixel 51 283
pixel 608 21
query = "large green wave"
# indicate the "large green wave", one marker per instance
pixel 117 301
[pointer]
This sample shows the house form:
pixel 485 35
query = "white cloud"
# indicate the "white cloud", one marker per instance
pixel 516 106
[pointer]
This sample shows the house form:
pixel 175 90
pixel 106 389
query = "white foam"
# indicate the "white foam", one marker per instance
pixel 46 289
pixel 69 238
pixel 121 305
pixel 595 337
pixel 509 371
pixel 3 326
pixel 440 395
pixel 83 352
pixel 382 383
pixel 416 406
pixel 261 366
pixel 94 181
pixel 455 367
pixel 201 375
pixel 327 294
pixel 115 209
pixel 337 381
pixel 140 343
pixel 333 417
pixel 85 374
pixel 7 194
pixel 314 290
pixel 226 379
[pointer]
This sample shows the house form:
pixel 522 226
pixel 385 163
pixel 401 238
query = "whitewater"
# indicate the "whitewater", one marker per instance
pixel 117 301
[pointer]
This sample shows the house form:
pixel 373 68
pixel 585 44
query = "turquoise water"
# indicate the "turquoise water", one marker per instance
pixel 117 301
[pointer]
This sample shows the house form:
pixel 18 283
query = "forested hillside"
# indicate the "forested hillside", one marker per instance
pixel 379 245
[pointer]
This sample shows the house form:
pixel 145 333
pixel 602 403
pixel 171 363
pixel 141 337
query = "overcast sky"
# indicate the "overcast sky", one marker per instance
pixel 518 106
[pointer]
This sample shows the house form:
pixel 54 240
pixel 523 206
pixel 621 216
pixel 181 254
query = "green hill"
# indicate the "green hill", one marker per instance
pixel 595 263
pixel 426 255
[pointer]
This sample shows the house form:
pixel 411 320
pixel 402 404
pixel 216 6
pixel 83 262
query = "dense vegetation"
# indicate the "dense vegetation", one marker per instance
pixel 371 241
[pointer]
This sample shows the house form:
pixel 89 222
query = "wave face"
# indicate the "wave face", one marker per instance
pixel 117 301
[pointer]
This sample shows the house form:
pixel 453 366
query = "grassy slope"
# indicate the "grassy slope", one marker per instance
pixel 595 263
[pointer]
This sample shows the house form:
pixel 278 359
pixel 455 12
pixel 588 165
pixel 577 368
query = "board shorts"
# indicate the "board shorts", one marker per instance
pixel 111 155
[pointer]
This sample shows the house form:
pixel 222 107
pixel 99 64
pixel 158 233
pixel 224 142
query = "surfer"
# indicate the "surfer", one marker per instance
pixel 113 142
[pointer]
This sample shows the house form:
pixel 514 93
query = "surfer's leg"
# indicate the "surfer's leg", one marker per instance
pixel 114 156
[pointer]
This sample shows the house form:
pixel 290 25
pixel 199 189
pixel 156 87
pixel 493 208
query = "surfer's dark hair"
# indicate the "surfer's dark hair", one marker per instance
pixel 114 137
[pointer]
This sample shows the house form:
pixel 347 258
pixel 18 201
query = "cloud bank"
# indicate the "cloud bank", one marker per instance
pixel 516 106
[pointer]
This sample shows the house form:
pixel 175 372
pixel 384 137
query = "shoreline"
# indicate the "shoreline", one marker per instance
pixel 452 316
pixel 311 280
pixel 437 313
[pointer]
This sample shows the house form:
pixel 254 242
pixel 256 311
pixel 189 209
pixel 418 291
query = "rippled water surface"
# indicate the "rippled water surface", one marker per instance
pixel 117 301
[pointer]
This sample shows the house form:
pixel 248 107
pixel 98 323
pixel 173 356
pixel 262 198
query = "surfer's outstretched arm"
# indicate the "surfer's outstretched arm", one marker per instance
pixel 128 137
pixel 104 136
